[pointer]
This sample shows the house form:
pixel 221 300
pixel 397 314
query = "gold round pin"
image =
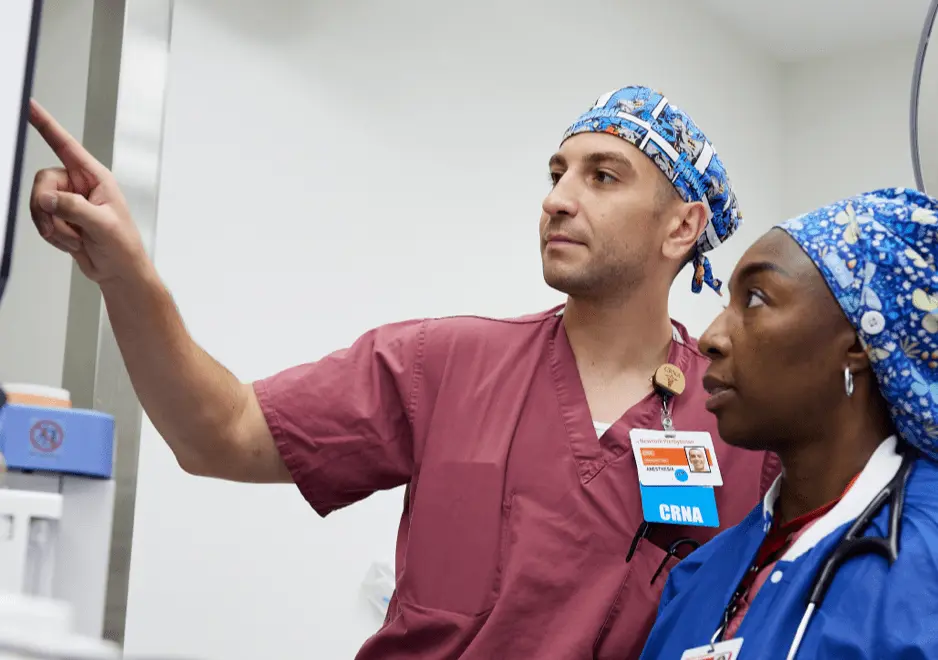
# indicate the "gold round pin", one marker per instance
pixel 670 379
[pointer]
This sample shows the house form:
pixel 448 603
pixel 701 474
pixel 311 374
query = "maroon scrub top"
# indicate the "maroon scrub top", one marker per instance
pixel 517 518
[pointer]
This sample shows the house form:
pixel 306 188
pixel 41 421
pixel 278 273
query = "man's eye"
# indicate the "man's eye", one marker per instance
pixel 605 177
pixel 554 177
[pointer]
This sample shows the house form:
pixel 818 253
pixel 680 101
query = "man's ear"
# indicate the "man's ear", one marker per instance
pixel 686 222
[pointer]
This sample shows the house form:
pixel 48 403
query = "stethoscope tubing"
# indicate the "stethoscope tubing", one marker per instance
pixel 852 544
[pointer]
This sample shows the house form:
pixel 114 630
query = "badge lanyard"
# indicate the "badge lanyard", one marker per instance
pixel 729 648
pixel 732 607
pixel 745 585
pixel 666 422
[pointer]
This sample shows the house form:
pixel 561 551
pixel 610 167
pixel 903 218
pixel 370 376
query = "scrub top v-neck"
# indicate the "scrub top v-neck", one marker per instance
pixel 518 514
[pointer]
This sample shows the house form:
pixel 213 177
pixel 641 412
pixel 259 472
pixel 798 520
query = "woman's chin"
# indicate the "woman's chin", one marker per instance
pixel 738 435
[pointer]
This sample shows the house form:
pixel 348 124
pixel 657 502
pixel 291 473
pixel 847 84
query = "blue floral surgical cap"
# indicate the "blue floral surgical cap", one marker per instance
pixel 668 136
pixel 878 253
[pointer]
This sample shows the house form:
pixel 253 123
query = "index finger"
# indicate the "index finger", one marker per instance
pixel 66 147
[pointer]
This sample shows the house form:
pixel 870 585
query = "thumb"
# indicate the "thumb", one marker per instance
pixel 70 207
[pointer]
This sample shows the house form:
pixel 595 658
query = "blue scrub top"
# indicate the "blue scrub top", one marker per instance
pixel 871 611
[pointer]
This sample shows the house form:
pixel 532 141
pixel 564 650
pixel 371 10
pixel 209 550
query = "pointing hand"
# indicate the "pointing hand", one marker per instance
pixel 79 208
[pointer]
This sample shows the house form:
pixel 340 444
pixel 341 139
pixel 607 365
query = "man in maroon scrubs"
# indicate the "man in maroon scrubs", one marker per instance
pixel 522 533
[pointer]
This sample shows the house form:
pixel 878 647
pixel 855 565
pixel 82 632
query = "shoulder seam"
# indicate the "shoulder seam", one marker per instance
pixel 418 373
pixel 519 320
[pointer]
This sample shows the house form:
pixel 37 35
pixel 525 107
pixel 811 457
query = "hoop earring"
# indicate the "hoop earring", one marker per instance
pixel 848 381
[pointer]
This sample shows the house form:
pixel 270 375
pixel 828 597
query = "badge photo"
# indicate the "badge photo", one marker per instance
pixel 673 458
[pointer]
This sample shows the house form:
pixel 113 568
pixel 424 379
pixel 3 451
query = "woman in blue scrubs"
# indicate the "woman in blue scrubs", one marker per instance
pixel 827 355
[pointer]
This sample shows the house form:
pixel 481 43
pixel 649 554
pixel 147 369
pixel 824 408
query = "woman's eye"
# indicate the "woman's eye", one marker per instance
pixel 554 177
pixel 754 299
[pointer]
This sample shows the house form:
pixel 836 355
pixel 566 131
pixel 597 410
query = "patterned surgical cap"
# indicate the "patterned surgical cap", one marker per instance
pixel 667 135
pixel 878 253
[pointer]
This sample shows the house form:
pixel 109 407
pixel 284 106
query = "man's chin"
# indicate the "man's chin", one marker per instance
pixel 564 283
pixel 566 277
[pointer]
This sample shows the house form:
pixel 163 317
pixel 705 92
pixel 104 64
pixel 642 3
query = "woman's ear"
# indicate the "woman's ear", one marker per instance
pixel 858 360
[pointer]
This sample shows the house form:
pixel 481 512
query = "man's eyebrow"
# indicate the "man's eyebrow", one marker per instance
pixel 594 158
pixel 598 157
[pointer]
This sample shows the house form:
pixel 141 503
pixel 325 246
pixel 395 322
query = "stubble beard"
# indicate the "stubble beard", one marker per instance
pixel 598 282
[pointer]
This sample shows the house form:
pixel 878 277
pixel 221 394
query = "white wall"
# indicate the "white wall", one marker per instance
pixel 35 305
pixel 332 166
pixel 846 125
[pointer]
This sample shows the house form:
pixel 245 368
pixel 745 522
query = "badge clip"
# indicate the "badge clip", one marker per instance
pixel 669 380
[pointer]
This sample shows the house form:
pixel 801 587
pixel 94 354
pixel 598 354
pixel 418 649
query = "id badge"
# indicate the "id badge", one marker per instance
pixel 675 458
pixel 677 471
pixel 728 650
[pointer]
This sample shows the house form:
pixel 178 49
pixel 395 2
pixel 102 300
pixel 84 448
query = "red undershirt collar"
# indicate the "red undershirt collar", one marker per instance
pixel 780 536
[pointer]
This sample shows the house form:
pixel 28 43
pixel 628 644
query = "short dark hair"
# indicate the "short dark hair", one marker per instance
pixel 666 193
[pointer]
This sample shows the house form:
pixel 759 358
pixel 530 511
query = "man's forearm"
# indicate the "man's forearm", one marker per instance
pixel 193 401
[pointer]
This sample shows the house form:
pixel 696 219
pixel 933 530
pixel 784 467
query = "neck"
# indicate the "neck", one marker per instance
pixel 817 470
pixel 619 335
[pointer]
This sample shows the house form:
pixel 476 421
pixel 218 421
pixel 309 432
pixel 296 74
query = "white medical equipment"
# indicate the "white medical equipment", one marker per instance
pixel 32 628
pixel 56 507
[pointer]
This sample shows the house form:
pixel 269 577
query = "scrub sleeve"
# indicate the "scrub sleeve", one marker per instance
pixel 343 424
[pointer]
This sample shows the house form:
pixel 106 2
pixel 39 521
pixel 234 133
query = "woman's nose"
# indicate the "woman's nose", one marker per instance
pixel 714 342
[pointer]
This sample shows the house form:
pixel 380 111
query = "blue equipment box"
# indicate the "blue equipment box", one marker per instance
pixel 59 440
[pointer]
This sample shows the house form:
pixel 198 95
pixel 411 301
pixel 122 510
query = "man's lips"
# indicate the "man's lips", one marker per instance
pixel 562 239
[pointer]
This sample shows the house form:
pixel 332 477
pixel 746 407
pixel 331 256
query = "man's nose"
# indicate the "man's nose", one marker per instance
pixel 562 199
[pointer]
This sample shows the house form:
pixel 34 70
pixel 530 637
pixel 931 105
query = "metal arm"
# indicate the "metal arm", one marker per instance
pixel 916 87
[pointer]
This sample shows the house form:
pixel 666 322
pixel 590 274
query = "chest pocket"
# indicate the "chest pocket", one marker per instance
pixel 454 545
pixel 622 634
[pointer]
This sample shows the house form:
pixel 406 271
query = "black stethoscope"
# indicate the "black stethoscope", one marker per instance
pixel 850 545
